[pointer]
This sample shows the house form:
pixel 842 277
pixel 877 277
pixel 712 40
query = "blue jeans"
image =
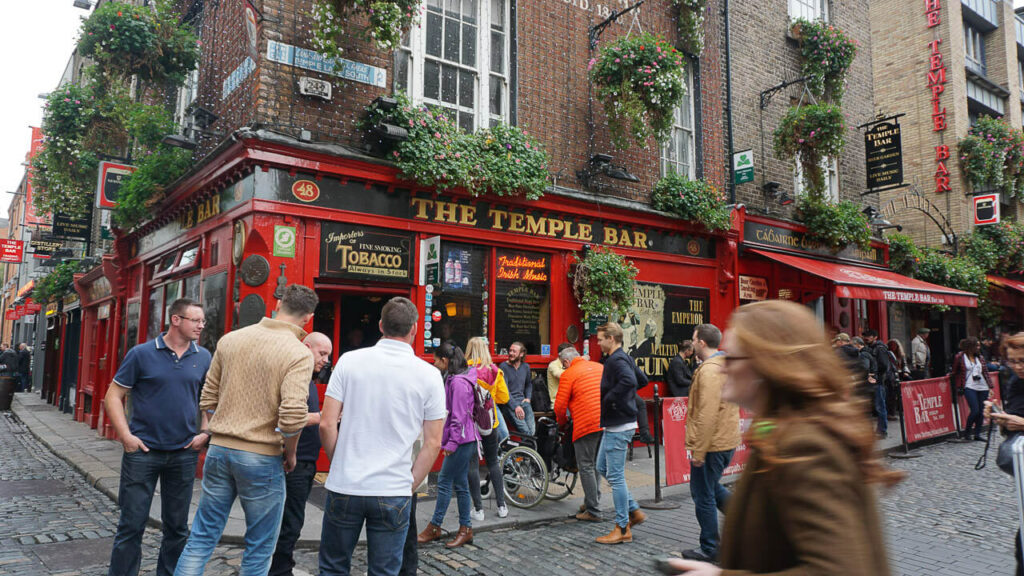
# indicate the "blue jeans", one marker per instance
pixel 527 425
pixel 976 402
pixel 883 414
pixel 257 481
pixel 709 496
pixel 455 472
pixel 25 381
pixel 298 483
pixel 387 526
pixel 139 472
pixel 502 430
pixel 611 463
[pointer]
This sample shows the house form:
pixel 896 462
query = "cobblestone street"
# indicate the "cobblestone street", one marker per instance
pixel 946 519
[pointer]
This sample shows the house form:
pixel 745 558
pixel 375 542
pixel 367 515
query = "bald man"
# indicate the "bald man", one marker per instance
pixel 299 482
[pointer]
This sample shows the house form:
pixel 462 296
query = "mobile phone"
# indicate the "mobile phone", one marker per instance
pixel 662 565
pixel 996 409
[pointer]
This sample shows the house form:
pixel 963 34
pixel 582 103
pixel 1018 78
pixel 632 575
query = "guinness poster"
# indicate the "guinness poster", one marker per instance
pixel 662 316
pixel 365 253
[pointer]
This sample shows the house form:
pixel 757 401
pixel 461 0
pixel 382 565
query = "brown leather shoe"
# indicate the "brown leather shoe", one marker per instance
pixel 616 536
pixel 636 517
pixel 430 533
pixel 586 516
pixel 465 536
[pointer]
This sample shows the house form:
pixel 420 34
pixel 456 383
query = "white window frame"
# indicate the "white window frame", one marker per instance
pixel 831 168
pixel 974 46
pixel 808 10
pixel 414 49
pixel 187 95
pixel 676 165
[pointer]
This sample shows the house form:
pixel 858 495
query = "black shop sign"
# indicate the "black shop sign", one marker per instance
pixel 364 253
pixel 71 227
pixel 884 155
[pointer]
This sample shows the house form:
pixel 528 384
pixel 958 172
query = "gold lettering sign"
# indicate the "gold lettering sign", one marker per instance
pixel 200 213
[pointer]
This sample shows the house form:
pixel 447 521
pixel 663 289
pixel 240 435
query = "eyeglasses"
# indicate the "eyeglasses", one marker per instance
pixel 1015 361
pixel 199 321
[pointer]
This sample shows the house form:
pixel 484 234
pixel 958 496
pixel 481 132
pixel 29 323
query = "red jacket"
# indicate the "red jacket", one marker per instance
pixel 958 375
pixel 579 392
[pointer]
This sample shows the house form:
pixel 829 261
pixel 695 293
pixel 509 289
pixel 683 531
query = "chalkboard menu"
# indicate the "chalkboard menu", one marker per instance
pixel 365 253
pixel 522 299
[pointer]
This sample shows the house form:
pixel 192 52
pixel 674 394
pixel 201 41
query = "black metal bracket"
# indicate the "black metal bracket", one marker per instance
pixel 881 118
pixel 595 31
pixel 766 96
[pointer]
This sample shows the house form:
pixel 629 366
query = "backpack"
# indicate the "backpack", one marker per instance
pixel 483 409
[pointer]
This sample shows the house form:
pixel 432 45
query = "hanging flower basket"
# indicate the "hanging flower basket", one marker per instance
pixel 691 25
pixel 693 200
pixel 992 157
pixel 639 80
pixel 810 134
pixel 827 54
pixel 388 20
pixel 603 282
pixel 834 224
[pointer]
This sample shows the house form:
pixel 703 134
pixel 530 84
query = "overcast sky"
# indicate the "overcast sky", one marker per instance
pixel 36 39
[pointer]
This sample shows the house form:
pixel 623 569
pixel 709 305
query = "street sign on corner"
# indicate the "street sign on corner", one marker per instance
pixel 743 166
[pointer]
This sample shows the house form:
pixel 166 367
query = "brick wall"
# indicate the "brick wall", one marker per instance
pixel 554 97
pixel 764 56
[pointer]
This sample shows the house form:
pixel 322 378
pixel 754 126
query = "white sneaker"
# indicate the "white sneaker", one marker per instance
pixel 478 515
pixel 502 511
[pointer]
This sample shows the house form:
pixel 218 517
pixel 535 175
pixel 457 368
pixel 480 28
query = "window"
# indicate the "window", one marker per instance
pixel 831 169
pixel 677 154
pixel 808 9
pixel 522 300
pixel 460 301
pixel 187 95
pixel 458 60
pixel 215 298
pixel 156 300
pixel 974 49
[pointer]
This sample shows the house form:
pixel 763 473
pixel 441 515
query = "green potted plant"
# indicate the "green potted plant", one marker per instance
pixel 693 200
pixel 992 156
pixel 834 224
pixel 603 282
pixel 810 134
pixel 691 25
pixel 387 21
pixel 639 80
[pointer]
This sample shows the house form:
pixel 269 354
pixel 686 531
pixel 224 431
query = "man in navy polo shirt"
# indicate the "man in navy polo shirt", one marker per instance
pixel 299 482
pixel 162 440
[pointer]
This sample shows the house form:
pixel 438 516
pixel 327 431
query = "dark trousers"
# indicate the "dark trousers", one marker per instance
pixel 24 382
pixel 975 401
pixel 410 552
pixel 489 444
pixel 709 497
pixel 140 470
pixel 297 485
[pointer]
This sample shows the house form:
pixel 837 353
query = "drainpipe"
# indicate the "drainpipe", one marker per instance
pixel 728 107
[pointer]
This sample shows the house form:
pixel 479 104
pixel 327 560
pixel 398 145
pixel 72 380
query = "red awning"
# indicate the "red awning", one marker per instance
pixel 863 283
pixel 1006 283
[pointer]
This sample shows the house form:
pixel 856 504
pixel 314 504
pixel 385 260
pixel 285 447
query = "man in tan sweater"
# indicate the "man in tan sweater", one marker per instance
pixel 712 435
pixel 255 393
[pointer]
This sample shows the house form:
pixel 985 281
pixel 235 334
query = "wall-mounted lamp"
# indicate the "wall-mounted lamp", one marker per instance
pixel 877 221
pixel 83 4
pixel 602 164
pixel 771 189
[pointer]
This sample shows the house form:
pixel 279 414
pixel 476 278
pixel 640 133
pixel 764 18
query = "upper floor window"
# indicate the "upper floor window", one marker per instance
pixel 677 153
pixel 458 60
pixel 187 94
pixel 974 48
pixel 808 9
pixel 831 170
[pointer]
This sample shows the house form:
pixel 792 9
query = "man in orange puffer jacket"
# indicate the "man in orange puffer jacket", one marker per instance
pixel 579 392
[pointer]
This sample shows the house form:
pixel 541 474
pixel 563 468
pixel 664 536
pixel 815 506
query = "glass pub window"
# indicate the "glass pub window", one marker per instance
pixel 808 9
pixel 677 154
pixel 457 60
pixel 460 299
pixel 522 300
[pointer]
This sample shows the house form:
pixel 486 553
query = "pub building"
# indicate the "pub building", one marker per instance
pixel 850 291
pixel 270 211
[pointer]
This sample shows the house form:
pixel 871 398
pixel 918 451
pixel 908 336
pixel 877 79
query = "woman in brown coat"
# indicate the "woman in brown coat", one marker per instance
pixel 804 504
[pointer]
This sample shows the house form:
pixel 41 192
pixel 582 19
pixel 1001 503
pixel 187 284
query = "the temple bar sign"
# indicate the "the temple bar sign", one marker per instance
pixel 986 209
pixel 884 155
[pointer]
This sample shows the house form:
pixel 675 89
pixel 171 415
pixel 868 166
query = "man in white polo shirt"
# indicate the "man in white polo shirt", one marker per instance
pixel 383 397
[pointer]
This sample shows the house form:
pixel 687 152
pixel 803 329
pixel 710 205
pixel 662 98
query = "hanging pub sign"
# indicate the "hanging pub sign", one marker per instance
pixel 884 154
pixel 109 183
pixel 71 227
pixel 365 253
pixel 44 247
pixel 986 209
pixel 12 251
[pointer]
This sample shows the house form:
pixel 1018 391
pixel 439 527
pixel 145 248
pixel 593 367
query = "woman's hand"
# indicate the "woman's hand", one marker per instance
pixel 1008 421
pixel 694 568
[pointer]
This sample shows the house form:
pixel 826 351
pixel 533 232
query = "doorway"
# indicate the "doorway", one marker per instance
pixel 350 319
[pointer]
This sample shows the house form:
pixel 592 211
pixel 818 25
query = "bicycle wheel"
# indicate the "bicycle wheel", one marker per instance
pixel 560 483
pixel 526 477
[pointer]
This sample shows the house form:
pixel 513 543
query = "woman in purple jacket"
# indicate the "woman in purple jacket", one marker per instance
pixel 459 443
